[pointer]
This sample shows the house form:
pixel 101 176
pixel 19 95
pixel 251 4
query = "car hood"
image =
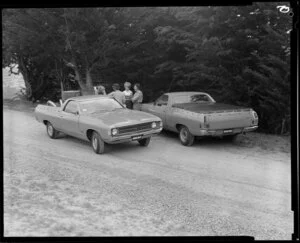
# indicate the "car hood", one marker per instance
pixel 209 107
pixel 123 117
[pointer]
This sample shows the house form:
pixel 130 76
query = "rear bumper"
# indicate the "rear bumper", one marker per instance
pixel 250 129
pixel 222 132
pixel 129 137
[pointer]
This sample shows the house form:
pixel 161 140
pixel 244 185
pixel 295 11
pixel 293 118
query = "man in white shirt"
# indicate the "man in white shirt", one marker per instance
pixel 128 95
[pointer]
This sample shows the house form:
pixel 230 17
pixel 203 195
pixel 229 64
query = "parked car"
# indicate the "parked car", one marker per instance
pixel 197 114
pixel 100 120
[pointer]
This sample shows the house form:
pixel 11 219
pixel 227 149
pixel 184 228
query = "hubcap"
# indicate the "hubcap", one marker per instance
pixel 183 135
pixel 95 143
pixel 50 130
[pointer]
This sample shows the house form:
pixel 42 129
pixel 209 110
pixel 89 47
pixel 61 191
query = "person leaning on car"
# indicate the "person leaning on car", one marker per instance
pixel 137 98
pixel 117 94
pixel 99 90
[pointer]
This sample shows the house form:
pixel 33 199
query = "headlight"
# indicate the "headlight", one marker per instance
pixel 153 125
pixel 114 131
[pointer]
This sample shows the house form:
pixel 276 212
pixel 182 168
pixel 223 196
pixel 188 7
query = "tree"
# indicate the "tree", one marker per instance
pixel 240 55
pixel 26 33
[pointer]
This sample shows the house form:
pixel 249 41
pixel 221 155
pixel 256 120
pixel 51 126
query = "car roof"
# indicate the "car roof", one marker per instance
pixel 88 97
pixel 184 93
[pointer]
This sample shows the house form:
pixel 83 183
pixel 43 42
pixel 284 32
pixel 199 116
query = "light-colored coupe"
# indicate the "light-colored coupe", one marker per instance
pixel 197 114
pixel 99 119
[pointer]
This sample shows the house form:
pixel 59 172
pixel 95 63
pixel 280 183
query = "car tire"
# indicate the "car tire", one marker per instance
pixel 144 142
pixel 51 131
pixel 97 143
pixel 186 138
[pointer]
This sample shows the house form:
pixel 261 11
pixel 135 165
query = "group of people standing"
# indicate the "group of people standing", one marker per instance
pixel 127 97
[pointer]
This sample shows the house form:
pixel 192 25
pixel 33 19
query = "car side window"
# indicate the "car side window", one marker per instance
pixel 71 107
pixel 200 98
pixel 162 100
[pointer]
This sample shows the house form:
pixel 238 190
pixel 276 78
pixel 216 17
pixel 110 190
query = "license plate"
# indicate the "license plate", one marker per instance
pixel 227 131
pixel 136 137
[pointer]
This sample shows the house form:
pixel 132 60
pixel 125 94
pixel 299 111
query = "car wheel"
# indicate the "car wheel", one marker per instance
pixel 97 143
pixel 145 141
pixel 186 138
pixel 51 131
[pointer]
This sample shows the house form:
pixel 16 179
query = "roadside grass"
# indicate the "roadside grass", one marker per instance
pixel 18 104
pixel 264 141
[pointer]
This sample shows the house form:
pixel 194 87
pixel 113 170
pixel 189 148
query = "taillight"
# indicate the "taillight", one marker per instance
pixel 255 118
pixel 255 115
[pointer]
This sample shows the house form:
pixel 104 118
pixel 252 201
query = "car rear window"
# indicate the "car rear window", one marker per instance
pixel 195 98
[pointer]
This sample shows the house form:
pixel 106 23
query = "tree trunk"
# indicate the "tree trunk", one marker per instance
pixel 61 88
pixel 60 76
pixel 89 81
pixel 24 72
pixel 85 88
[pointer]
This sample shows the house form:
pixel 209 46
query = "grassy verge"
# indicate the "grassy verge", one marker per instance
pixel 265 141
pixel 20 105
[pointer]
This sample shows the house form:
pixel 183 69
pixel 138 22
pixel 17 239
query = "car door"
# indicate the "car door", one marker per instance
pixel 159 107
pixel 69 118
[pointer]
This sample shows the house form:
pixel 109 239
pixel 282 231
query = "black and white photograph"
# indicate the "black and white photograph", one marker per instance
pixel 148 121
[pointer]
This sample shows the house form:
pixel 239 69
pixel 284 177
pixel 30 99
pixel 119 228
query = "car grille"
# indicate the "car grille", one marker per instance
pixel 135 128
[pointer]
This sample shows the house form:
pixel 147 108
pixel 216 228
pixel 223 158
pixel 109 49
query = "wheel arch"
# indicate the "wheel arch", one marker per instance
pixel 179 125
pixel 89 133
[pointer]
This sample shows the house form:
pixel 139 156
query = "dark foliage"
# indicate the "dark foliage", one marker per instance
pixel 240 55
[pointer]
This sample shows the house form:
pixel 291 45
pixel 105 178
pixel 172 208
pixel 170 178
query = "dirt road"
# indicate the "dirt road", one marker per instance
pixel 61 188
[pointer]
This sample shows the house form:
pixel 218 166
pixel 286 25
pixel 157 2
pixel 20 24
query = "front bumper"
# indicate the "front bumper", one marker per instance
pixel 225 132
pixel 129 137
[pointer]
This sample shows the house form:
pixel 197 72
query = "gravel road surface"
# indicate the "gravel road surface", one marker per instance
pixel 62 188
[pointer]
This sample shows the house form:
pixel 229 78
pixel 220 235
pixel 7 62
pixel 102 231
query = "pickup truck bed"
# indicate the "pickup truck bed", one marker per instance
pixel 209 108
pixel 49 113
pixel 220 116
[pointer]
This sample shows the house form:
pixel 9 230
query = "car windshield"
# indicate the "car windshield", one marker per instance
pixel 100 105
pixel 195 98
